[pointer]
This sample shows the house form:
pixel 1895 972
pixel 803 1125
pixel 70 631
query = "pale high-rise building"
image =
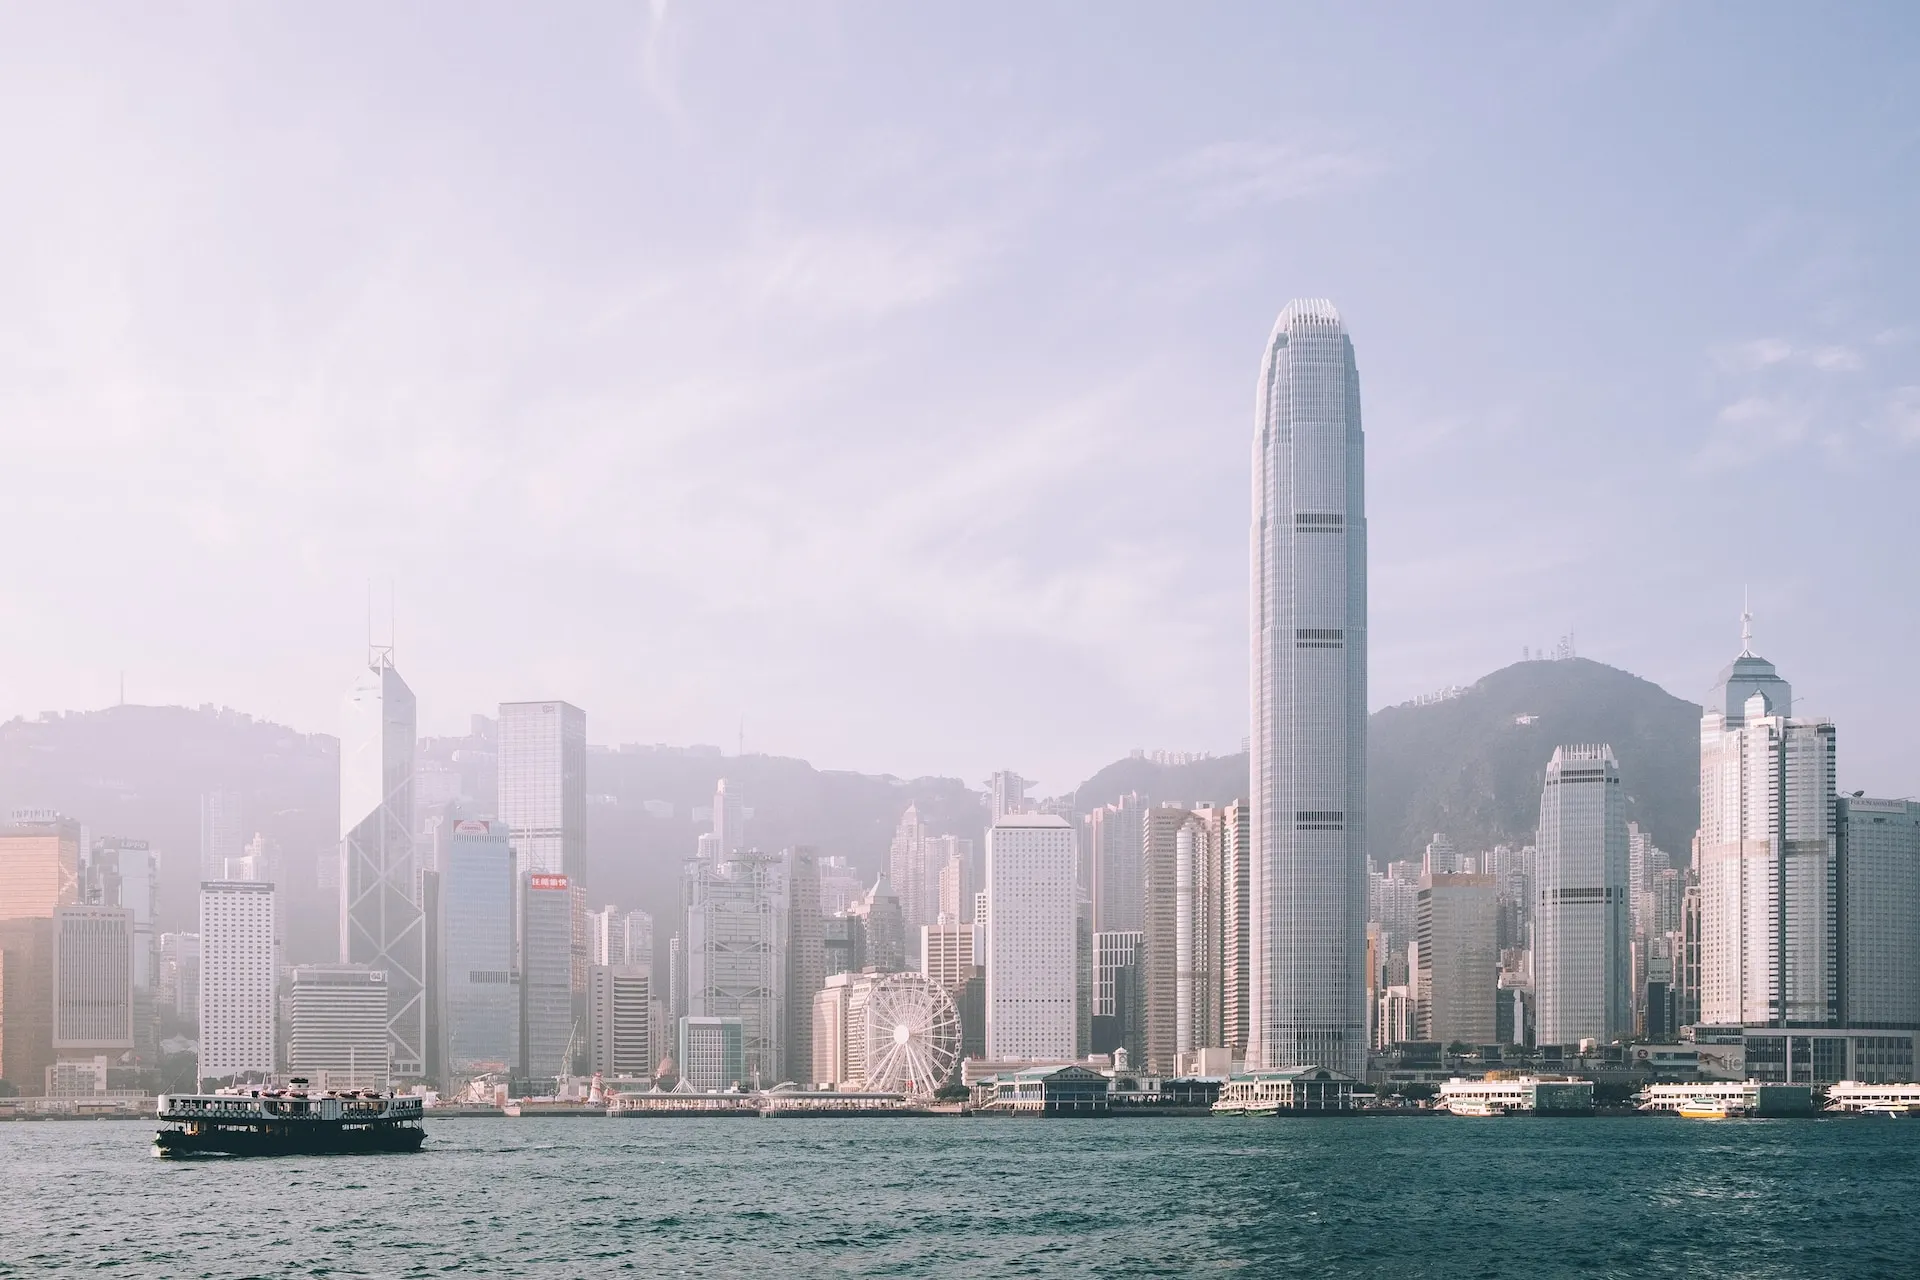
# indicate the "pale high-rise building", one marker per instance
pixel 1236 852
pixel 1440 857
pixel 1768 854
pixel 179 970
pixel 737 954
pixel 1032 947
pixel 639 937
pixel 1581 961
pixel 1113 858
pixel 907 867
pixel 1307 881
pixel 382 925
pixel 620 1020
pixel 238 953
pixel 93 980
pixel 1880 915
pixel 130 871
pixel 1459 971
pixel 482 998
pixel 806 960
pixel 729 820
pixel 1165 934
pixel 337 1037
pixel 223 831
pixel 543 799
pixel 1007 794
pixel 948 952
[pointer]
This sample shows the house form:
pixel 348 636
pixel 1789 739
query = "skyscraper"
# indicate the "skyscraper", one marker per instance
pixel 223 831
pixel 729 820
pixel 736 954
pixel 92 981
pixel 543 799
pixel 1768 853
pixel 1236 850
pixel 547 1024
pixel 1580 961
pixel 806 967
pixel 1113 858
pixel 338 1033
pixel 1307 879
pixel 1880 912
pixel 237 961
pixel 482 999
pixel 620 1020
pixel 381 923
pixel 1160 926
pixel 1459 966
pixel 1032 947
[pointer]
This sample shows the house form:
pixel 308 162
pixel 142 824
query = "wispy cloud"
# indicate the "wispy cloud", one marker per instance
pixel 1753 428
pixel 1898 417
pixel 1226 177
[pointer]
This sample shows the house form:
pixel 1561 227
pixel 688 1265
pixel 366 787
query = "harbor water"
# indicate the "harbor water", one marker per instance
pixel 1373 1196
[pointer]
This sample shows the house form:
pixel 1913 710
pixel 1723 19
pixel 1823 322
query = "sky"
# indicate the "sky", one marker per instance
pixel 873 383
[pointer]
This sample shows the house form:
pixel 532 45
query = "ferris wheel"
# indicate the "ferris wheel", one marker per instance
pixel 912 1035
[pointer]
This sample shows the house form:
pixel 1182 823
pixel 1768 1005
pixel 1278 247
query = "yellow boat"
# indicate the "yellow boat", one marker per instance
pixel 1711 1109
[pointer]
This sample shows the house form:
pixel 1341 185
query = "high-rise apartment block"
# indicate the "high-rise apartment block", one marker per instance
pixel 1581 963
pixel 1113 837
pixel 179 981
pixel 382 925
pixel 1236 855
pixel 1307 882
pixel 482 992
pixel 238 954
pixel 1769 854
pixel 337 1037
pixel 1459 965
pixel 1031 945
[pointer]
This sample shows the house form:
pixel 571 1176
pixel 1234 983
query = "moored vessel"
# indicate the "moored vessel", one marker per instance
pixel 1711 1109
pixel 289 1121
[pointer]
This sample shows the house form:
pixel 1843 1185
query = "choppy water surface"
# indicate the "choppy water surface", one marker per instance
pixel 946 1197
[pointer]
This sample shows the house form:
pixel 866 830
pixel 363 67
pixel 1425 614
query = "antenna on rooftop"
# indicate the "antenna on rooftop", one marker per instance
pixel 1746 626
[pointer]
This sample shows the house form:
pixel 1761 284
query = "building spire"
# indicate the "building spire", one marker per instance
pixel 1746 626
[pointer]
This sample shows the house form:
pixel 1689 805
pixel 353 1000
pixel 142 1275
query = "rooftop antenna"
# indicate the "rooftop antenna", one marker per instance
pixel 1746 626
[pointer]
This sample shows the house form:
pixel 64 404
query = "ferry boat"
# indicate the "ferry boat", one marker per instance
pixel 1261 1108
pixel 1711 1109
pixel 290 1121
pixel 1478 1108
pixel 1229 1107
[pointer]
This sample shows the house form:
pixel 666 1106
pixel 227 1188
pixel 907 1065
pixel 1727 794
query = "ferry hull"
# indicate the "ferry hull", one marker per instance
pixel 300 1140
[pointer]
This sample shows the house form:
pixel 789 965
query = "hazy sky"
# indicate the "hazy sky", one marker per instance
pixel 885 374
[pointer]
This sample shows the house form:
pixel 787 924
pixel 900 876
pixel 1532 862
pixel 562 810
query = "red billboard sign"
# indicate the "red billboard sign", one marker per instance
pixel 547 882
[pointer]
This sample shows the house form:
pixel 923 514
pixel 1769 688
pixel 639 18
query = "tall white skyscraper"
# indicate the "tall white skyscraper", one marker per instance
pixel 381 923
pixel 1031 944
pixel 1307 881
pixel 1113 864
pixel 729 820
pixel 237 965
pixel 1768 854
pixel 543 785
pixel 543 801
pixel 1581 963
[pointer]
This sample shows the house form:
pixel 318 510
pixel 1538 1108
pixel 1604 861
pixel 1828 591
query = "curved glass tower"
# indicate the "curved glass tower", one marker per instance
pixel 1307 884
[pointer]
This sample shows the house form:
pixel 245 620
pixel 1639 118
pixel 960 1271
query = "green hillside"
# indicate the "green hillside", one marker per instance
pixel 1470 766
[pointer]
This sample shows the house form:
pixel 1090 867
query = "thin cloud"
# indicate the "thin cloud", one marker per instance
pixel 1226 177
